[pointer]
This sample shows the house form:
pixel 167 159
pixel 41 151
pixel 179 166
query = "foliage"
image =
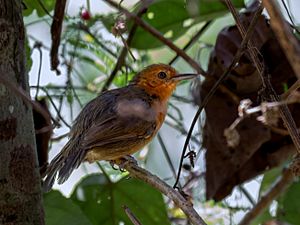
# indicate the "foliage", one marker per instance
pixel 96 200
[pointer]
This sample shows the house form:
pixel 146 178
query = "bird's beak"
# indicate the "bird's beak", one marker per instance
pixel 184 76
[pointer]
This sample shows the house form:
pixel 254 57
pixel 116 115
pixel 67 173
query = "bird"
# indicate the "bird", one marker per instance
pixel 117 123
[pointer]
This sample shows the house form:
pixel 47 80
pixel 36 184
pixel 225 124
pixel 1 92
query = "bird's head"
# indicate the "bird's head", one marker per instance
pixel 159 80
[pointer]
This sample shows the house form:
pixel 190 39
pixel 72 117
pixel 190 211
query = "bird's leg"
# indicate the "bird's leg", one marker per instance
pixel 121 162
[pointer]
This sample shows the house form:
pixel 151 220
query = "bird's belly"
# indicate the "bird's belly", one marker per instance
pixel 115 152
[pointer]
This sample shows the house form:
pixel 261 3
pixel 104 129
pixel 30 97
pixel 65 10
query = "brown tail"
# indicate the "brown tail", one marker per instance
pixel 64 163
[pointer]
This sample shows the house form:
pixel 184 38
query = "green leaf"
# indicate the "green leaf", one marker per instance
pixel 38 5
pixel 103 201
pixel 62 211
pixel 265 216
pixel 174 17
pixel 289 205
pixel 122 80
pixel 269 178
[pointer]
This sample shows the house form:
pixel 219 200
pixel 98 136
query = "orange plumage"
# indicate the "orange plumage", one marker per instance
pixel 118 122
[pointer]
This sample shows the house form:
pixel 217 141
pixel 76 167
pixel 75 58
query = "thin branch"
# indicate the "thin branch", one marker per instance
pixel 86 29
pixel 131 216
pixel 235 60
pixel 158 35
pixel 154 181
pixel 123 54
pixel 247 194
pixel 192 40
pixel 282 184
pixel 56 29
pixel 284 35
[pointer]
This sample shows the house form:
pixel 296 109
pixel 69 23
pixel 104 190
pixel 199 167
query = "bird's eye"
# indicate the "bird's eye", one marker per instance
pixel 162 75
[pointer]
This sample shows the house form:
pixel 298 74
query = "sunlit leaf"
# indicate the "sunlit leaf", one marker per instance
pixel 174 17
pixel 41 7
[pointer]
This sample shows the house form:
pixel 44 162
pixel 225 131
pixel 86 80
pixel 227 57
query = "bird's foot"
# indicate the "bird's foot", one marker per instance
pixel 121 162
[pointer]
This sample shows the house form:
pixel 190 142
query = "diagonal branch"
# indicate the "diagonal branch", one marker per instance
pixel 121 59
pixel 158 35
pixel 284 35
pixel 282 184
pixel 185 205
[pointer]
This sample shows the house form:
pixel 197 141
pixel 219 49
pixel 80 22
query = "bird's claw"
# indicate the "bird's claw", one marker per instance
pixel 121 162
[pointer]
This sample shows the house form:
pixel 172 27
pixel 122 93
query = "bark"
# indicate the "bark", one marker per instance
pixel 20 191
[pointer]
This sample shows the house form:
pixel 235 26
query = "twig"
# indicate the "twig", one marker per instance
pixel 186 206
pixel 56 29
pixel 158 35
pixel 247 194
pixel 293 88
pixel 55 108
pixel 192 41
pixel 131 216
pixel 283 183
pixel 284 35
pixel 121 58
pixel 235 60
pixel 86 29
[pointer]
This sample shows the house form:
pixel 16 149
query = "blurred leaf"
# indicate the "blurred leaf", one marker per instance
pixel 265 216
pixel 174 17
pixel 269 178
pixel 102 201
pixel 62 211
pixel 32 5
pixel 123 79
pixel 289 205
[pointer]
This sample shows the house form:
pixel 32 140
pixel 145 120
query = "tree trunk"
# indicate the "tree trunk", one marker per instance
pixel 20 191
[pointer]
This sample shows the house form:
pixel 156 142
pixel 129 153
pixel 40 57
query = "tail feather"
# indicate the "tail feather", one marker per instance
pixel 63 164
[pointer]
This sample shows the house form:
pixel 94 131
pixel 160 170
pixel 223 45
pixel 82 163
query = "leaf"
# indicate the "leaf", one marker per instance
pixel 174 17
pixel 289 205
pixel 62 211
pixel 269 178
pixel 102 201
pixel 38 5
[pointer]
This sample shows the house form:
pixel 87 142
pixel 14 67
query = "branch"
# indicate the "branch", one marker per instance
pixel 282 184
pixel 193 40
pixel 203 104
pixel 142 174
pixel 121 59
pixel 158 35
pixel 56 28
pixel 284 35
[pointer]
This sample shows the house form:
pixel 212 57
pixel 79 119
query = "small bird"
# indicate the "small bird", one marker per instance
pixel 118 122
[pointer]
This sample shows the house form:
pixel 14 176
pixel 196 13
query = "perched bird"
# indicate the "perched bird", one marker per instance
pixel 118 122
